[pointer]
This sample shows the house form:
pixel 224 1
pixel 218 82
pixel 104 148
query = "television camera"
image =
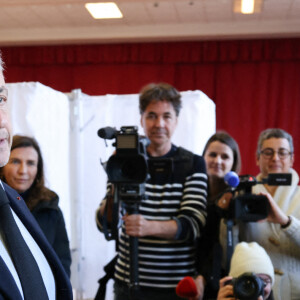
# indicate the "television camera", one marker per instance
pixel 127 169
pixel 246 206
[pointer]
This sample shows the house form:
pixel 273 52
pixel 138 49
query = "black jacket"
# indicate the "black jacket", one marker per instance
pixel 8 287
pixel 50 218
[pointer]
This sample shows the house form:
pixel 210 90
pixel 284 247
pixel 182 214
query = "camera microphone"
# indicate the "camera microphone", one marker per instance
pixel 232 179
pixel 107 133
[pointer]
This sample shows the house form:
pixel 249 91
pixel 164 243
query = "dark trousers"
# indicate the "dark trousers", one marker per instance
pixel 121 292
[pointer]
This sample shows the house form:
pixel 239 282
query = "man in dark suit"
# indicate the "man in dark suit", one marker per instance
pixel 54 280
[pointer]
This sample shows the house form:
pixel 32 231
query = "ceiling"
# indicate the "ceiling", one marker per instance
pixel 42 22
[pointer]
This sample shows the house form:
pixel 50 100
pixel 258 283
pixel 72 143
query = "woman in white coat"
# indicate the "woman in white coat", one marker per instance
pixel 280 233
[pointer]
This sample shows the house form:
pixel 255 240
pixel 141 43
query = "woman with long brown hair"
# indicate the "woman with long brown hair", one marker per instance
pixel 25 173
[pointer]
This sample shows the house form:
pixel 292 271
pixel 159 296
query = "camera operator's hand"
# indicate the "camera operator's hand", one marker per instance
pixel 226 290
pixel 276 215
pixel 200 284
pixel 136 225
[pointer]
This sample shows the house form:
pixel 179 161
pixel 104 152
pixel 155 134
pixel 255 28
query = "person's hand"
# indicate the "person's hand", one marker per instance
pixel 136 225
pixel 276 215
pixel 200 284
pixel 225 291
pixel 224 201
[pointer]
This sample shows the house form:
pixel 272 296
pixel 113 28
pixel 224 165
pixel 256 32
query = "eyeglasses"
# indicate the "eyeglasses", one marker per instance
pixel 269 153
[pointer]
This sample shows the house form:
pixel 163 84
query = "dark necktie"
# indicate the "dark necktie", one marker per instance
pixel 30 276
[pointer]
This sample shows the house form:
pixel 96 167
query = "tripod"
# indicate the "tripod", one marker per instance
pixel 131 195
pixel 132 208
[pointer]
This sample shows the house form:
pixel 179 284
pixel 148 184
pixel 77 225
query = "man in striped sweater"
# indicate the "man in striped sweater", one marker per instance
pixel 172 215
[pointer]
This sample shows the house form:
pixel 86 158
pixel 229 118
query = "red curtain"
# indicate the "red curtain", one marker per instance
pixel 254 83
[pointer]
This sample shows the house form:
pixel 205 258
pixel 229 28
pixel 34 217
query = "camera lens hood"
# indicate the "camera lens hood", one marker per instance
pixel 248 286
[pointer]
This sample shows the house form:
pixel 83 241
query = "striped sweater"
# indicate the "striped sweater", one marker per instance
pixel 180 195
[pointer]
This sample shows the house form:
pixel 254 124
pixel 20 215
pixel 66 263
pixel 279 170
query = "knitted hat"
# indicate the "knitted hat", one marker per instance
pixel 251 257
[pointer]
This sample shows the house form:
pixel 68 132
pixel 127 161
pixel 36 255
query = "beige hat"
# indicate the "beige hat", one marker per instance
pixel 250 257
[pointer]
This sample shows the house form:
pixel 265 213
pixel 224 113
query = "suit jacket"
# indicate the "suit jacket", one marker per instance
pixel 8 287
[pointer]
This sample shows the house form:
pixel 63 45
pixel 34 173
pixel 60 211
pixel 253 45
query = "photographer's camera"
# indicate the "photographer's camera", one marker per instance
pixel 248 286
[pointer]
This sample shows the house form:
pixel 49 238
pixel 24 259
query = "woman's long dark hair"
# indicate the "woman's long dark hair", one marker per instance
pixel 37 191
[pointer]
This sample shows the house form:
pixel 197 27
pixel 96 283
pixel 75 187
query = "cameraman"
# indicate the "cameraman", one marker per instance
pixel 279 235
pixel 248 258
pixel 173 215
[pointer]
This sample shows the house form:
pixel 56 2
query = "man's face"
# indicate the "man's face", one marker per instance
pixel 5 124
pixel 159 121
pixel 275 156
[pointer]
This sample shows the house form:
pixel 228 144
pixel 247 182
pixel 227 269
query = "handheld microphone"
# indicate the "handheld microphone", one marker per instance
pixel 186 287
pixel 232 179
pixel 107 133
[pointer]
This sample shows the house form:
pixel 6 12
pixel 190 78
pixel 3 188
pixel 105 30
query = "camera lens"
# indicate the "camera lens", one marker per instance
pixel 127 169
pixel 130 169
pixel 248 287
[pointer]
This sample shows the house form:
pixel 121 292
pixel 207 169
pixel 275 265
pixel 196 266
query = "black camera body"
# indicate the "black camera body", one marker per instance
pixel 244 205
pixel 247 286
pixel 249 207
pixel 129 164
pixel 128 167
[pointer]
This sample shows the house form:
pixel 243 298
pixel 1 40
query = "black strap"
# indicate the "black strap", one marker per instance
pixel 216 265
pixel 109 270
pixel 229 223
pixel 187 158
pixel 110 229
pixel 26 266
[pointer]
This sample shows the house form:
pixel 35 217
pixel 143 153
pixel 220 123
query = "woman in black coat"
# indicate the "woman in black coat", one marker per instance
pixel 222 155
pixel 25 173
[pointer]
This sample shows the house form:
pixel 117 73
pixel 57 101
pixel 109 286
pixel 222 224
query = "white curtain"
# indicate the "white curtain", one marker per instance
pixel 66 125
pixel 43 113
